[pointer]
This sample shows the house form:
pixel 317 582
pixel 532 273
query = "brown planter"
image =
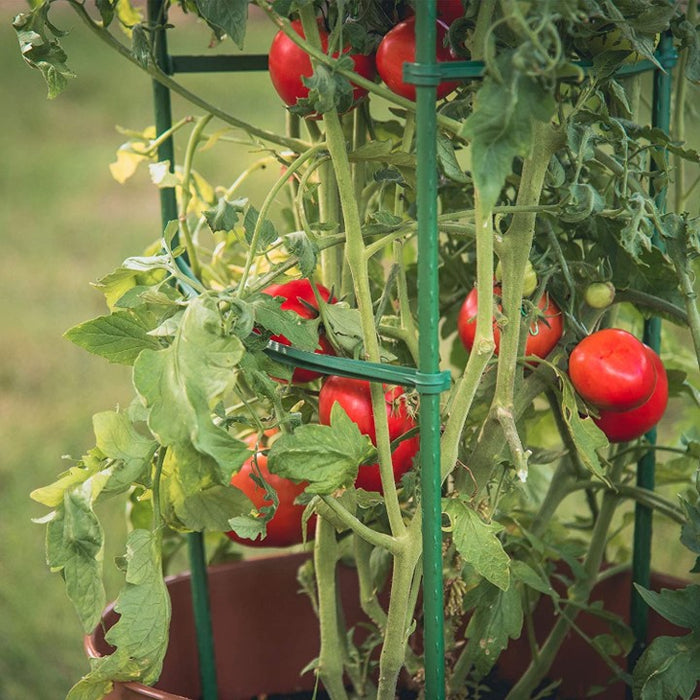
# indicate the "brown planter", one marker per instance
pixel 265 633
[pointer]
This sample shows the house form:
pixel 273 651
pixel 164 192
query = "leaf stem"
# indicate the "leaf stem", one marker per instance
pixel 154 72
pixel 186 196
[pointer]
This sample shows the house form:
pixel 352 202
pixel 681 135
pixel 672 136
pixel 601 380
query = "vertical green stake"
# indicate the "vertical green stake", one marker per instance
pixel 168 208
pixel 646 467
pixel 428 316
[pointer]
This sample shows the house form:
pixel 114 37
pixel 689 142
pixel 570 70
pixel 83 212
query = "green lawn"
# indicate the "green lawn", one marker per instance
pixel 64 223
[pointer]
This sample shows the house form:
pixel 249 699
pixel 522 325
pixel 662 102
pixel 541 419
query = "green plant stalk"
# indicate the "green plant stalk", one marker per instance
pixel 332 651
pixel 539 666
pixel 514 251
pixel 462 395
pixel 186 195
pixel 683 264
pixel 329 210
pixel 354 251
pixel 377 539
pixel 408 323
pixel 482 28
pixel 368 596
pixel 164 79
pixel 265 206
pixel 299 208
pixel 393 652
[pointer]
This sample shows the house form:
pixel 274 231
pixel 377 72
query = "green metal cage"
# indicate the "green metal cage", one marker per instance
pixel 426 73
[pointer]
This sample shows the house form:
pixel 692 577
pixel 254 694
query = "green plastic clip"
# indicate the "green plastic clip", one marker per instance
pixel 424 382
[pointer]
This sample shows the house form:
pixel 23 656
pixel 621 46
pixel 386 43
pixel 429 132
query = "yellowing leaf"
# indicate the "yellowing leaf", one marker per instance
pixel 126 164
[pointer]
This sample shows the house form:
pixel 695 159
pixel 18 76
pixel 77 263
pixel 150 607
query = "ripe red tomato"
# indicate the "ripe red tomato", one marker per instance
pixel 355 398
pixel 543 336
pixel 398 46
pixel 296 293
pixel 449 10
pixel 621 426
pixel 611 370
pixel 288 64
pixel 285 527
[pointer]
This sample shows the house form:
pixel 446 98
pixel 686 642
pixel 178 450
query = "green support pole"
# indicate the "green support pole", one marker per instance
pixel 168 208
pixel 429 355
pixel 646 467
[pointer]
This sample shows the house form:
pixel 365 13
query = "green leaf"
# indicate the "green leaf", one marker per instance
pixel 586 435
pixel 267 234
pixel 447 160
pixel 680 606
pixel 690 530
pixel 74 542
pixel 346 325
pixel 500 128
pixel 300 332
pixel 181 384
pixel 497 617
pixel 141 46
pixel 118 337
pixel 327 457
pixel 196 494
pixel 305 250
pixel 40 48
pixel 224 216
pixel 140 635
pixel 668 668
pixel 231 16
pixel 477 542
pixel 118 439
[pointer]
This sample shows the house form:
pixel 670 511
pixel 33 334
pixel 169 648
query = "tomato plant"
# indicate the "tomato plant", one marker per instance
pixel 612 370
pixel 355 398
pixel 288 65
pixel 285 527
pixel 299 297
pixel 543 334
pixel 621 426
pixel 398 46
pixel 541 157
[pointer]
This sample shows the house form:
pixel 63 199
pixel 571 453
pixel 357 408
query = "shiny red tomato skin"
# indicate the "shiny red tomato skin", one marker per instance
pixel 449 10
pixel 621 426
pixel 355 398
pixel 398 46
pixel 611 370
pixel 288 63
pixel 544 333
pixel 296 292
pixel 284 529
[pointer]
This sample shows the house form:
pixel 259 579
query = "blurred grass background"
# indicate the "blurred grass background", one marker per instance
pixel 65 223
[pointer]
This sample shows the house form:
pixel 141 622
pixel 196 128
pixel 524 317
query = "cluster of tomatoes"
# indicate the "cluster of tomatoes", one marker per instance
pixel 285 527
pixel 620 378
pixel 288 64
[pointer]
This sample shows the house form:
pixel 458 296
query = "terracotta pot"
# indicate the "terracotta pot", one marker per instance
pixel 265 632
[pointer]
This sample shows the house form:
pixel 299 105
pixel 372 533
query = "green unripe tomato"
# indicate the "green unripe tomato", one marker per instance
pixel 599 295
pixel 529 278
